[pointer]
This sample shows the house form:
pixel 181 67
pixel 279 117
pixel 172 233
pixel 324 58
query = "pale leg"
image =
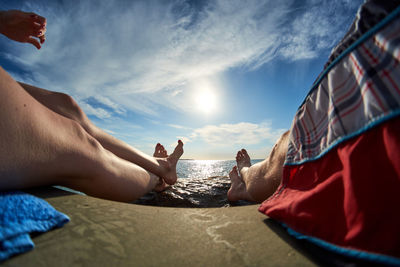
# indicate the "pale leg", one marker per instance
pixel 40 147
pixel 65 105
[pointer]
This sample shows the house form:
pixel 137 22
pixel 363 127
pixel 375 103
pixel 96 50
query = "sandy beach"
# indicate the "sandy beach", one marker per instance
pixel 107 233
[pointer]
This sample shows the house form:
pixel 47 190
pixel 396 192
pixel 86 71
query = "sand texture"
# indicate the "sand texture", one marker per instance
pixel 107 233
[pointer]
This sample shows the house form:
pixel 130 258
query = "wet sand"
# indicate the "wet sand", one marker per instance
pixel 193 193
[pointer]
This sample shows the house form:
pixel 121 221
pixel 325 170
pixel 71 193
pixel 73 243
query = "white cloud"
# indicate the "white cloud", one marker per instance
pixel 176 126
pixel 141 54
pixel 318 27
pixel 107 102
pixel 98 112
pixel 243 133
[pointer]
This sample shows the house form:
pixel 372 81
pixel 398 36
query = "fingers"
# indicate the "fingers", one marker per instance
pixel 25 27
pixel 38 19
pixel 39 30
pixel 35 42
pixel 42 39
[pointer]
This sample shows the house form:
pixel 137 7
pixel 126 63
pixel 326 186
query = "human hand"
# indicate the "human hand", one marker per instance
pixel 23 27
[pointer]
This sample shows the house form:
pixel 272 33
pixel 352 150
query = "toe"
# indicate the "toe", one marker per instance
pixel 178 151
pixel 158 152
pixel 239 155
pixel 163 152
pixel 180 144
pixel 245 154
pixel 234 172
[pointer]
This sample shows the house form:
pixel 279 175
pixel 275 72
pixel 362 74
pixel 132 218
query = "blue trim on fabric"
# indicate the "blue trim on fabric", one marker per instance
pixel 371 125
pixel 363 255
pixel 366 35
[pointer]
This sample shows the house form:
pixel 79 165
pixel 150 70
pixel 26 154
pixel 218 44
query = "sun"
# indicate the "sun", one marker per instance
pixel 205 96
pixel 206 101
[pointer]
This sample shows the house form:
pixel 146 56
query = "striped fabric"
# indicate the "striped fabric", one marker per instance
pixel 341 179
pixel 356 93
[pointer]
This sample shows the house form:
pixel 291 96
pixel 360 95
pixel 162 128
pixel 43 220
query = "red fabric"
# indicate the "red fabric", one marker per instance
pixel 350 197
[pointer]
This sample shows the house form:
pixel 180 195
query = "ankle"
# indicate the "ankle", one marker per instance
pixel 243 172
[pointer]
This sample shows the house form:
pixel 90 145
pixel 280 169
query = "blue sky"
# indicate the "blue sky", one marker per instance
pixel 220 75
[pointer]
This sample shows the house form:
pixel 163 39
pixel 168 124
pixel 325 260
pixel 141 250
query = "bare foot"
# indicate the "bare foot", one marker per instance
pixel 237 185
pixel 160 152
pixel 169 164
pixel 237 191
pixel 242 160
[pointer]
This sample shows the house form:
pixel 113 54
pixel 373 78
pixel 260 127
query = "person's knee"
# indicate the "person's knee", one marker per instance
pixel 73 111
pixel 68 105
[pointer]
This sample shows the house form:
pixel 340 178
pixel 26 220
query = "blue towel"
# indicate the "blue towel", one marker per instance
pixel 21 214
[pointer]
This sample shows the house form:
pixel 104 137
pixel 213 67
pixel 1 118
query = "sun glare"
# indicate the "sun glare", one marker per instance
pixel 205 97
pixel 206 101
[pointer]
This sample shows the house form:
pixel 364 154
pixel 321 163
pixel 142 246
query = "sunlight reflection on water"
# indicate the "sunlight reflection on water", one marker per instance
pixel 205 168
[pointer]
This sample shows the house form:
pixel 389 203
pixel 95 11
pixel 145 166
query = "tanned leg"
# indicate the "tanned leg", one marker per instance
pixel 259 181
pixel 40 147
pixel 65 105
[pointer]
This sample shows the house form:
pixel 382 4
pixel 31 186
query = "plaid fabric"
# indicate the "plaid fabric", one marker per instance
pixel 370 13
pixel 361 90
pixel 344 153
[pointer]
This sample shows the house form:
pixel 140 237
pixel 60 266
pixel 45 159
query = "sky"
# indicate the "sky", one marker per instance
pixel 220 75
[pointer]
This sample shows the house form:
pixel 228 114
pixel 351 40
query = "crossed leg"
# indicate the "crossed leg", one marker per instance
pixel 65 105
pixel 259 181
pixel 40 147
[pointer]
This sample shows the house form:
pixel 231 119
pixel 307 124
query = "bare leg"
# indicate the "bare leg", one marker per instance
pixel 39 147
pixel 238 188
pixel 259 181
pixel 63 104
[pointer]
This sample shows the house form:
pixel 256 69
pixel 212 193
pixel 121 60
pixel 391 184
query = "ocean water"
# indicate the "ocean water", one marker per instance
pixel 188 168
pixel 201 183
